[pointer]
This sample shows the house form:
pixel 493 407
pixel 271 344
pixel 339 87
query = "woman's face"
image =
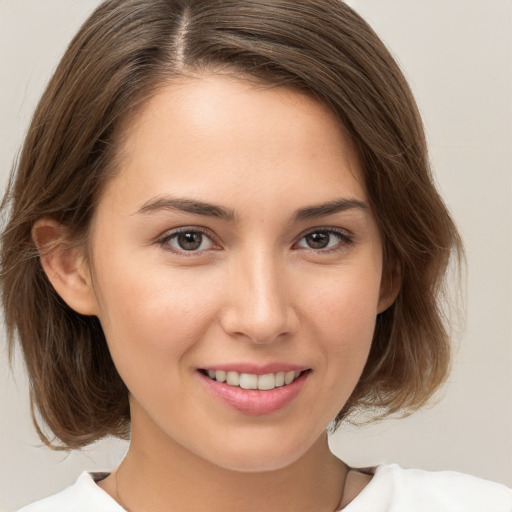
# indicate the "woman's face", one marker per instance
pixel 236 242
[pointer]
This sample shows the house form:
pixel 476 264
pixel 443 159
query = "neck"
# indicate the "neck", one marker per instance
pixel 155 478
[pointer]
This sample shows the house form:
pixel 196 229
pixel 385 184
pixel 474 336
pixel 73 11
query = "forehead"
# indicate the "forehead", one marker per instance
pixel 204 134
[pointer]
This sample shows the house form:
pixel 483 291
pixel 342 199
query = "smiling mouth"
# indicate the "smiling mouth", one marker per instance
pixel 265 382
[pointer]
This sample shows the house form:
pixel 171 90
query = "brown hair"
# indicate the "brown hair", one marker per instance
pixel 124 51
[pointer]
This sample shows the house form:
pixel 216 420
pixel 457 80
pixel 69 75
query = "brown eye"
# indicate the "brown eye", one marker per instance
pixel 324 240
pixel 188 241
pixel 318 240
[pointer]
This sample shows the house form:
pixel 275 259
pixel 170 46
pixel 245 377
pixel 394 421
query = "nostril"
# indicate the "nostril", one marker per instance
pixel 259 326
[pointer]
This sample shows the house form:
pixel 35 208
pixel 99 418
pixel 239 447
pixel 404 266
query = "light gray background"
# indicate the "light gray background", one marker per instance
pixel 457 55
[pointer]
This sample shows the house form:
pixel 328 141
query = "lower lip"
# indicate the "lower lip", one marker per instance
pixel 254 401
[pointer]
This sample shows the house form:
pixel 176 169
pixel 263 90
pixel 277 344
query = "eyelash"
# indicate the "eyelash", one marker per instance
pixel 344 240
pixel 164 241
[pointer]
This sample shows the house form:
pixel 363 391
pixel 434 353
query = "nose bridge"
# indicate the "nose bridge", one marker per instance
pixel 260 306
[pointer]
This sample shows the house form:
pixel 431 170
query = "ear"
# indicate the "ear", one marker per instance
pixel 65 266
pixel 390 285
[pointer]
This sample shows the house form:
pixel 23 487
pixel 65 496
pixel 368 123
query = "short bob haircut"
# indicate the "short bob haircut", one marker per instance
pixel 123 53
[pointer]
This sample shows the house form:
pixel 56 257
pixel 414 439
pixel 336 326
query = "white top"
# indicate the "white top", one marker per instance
pixel 392 489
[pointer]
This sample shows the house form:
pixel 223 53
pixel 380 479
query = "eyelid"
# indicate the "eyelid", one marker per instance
pixel 168 235
pixel 346 239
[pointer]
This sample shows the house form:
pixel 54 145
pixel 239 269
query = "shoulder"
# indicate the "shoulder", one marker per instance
pixel 83 496
pixel 403 490
pixel 451 490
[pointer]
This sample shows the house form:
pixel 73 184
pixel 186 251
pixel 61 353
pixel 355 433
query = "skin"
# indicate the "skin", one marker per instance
pixel 255 291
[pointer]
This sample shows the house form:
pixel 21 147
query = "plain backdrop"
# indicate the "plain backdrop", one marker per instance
pixel 457 55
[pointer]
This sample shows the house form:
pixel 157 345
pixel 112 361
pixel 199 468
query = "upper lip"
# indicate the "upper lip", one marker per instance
pixel 257 369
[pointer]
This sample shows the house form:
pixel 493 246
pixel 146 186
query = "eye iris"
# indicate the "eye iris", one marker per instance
pixel 190 241
pixel 318 240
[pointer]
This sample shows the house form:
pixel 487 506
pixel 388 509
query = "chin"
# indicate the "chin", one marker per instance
pixel 260 457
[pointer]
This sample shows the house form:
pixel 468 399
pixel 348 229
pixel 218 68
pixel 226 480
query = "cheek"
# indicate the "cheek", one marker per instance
pixel 149 311
pixel 155 312
pixel 347 301
pixel 343 318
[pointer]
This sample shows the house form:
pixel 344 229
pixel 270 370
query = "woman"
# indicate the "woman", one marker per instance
pixel 233 204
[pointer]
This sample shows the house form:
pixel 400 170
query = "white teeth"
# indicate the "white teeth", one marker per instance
pixel 289 377
pixel 220 375
pixel 248 381
pixel 233 378
pixel 266 382
pixel 251 381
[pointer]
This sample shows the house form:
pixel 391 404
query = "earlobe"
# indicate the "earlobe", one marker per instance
pixel 65 266
pixel 390 287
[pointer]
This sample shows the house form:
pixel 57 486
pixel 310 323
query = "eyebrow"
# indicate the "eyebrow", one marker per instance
pixel 188 206
pixel 329 208
pixel 211 210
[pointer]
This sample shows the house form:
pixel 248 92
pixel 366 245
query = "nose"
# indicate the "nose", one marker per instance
pixel 259 303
